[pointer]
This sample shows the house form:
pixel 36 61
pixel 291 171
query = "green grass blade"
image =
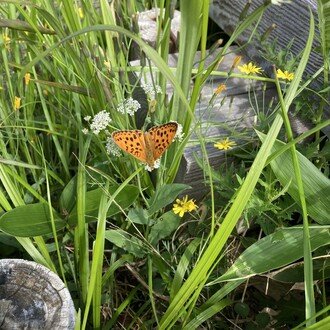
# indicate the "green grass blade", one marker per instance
pixel 316 184
pixel 207 313
pixel 200 271
pixel 274 251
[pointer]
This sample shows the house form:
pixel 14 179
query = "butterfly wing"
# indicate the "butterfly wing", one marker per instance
pixel 160 138
pixel 131 142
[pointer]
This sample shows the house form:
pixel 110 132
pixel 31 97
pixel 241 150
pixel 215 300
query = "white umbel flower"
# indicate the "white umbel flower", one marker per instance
pixel 100 122
pixel 151 90
pixel 112 148
pixel 129 106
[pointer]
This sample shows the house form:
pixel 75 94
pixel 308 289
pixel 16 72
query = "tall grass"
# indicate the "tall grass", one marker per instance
pixel 85 213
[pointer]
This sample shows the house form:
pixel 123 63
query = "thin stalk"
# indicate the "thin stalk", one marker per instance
pixel 308 261
pixel 180 302
pixel 98 248
pixel 150 288
pixel 81 231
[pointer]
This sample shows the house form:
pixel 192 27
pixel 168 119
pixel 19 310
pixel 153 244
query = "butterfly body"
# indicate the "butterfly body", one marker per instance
pixel 146 146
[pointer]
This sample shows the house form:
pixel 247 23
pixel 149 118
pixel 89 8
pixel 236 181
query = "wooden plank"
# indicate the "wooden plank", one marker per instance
pixel 290 22
pixel 233 110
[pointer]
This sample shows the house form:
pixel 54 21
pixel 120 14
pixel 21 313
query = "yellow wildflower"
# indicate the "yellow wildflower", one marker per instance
pixel 27 78
pixel 80 12
pixel 236 61
pixel 17 102
pixel 225 144
pixel 6 40
pixel 249 68
pixel 284 75
pixel 183 206
pixel 220 89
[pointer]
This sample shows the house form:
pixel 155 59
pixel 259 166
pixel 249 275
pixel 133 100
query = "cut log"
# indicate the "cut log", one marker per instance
pixel 33 297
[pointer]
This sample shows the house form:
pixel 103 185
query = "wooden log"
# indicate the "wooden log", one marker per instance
pixel 290 21
pixel 33 297
pixel 238 111
pixel 232 111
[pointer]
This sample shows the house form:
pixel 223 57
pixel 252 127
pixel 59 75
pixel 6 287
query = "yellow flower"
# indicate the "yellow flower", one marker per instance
pixel 80 12
pixel 225 144
pixel 6 40
pixel 17 102
pixel 249 68
pixel 27 78
pixel 183 206
pixel 236 61
pixel 220 89
pixel 284 75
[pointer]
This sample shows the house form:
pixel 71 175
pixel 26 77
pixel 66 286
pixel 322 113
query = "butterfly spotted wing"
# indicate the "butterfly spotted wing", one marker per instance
pixel 131 142
pixel 161 137
pixel 149 146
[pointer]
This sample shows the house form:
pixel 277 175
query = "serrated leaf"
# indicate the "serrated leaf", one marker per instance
pixel 126 242
pixel 165 195
pixel 138 215
pixel 30 220
pixel 163 227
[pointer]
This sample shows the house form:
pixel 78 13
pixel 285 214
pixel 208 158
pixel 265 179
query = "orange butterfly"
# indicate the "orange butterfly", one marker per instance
pixel 146 146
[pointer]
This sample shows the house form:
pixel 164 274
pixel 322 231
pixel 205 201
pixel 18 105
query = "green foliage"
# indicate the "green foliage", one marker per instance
pixel 128 243
pixel 252 261
pixel 316 185
pixel 104 223
pixel 165 195
pixel 30 220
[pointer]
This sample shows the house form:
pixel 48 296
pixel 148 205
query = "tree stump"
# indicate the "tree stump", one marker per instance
pixel 33 297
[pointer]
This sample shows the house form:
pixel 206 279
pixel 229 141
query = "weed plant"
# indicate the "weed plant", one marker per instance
pixel 133 248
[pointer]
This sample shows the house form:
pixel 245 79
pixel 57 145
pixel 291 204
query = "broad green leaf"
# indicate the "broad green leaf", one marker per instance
pixel 68 196
pixel 274 251
pixel 163 227
pixel 138 215
pixel 124 199
pixel 30 220
pixel 295 273
pixel 165 195
pixel 316 185
pixel 126 242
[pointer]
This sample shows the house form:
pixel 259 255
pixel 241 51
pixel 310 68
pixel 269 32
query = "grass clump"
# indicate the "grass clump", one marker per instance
pixel 132 245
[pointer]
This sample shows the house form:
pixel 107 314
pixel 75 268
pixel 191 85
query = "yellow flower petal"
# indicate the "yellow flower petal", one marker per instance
pixel 183 206
pixel 17 102
pixel 27 78
pixel 225 144
pixel 286 75
pixel 220 89
pixel 249 68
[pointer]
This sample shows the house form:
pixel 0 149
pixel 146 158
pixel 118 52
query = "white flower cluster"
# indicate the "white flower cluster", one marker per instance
pixel 129 106
pixel 100 121
pixel 156 165
pixel 151 90
pixel 179 134
pixel 112 148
